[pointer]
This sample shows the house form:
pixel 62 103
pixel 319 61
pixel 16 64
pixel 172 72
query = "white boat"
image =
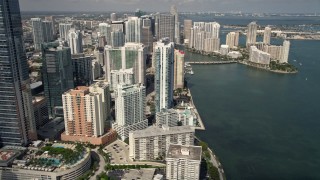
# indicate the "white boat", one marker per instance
pixel 191 72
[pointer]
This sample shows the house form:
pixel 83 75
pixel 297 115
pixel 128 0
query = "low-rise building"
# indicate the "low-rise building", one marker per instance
pixel 153 142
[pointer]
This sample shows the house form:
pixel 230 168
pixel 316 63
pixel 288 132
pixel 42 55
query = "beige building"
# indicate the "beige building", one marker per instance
pixel 232 39
pixel 183 162
pixel 178 69
pixel 86 110
pixel 152 143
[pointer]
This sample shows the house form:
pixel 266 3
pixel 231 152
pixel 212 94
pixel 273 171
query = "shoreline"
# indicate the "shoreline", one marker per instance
pixel 270 70
pixel 202 127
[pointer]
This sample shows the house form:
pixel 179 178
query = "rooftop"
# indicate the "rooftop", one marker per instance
pixel 142 174
pixel 164 130
pixel 52 128
pixel 184 152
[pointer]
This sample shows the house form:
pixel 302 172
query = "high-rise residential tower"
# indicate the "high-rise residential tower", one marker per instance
pixel 164 59
pixel 37 31
pixel 131 55
pixel 174 12
pixel 105 30
pixel 47 31
pixel 17 120
pixel 57 75
pixel 232 39
pixel 187 30
pixel 285 52
pixel 130 103
pixel 267 35
pixel 133 29
pixel 64 30
pixel 178 69
pixel 166 27
pixel 75 41
pixel 251 34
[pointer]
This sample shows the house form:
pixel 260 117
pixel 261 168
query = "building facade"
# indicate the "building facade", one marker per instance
pixel 82 69
pixel 164 60
pixel 131 55
pixel 75 41
pixel 267 35
pixel 166 27
pixel 16 110
pixel 178 69
pixel 183 162
pixel 153 142
pixel 259 57
pixel 64 30
pixel 133 30
pixel 121 77
pixel 130 103
pixel 251 34
pixel 57 75
pixel 37 31
pixel 232 39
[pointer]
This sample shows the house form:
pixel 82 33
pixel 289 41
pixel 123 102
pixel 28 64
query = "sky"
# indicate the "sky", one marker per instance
pixel 258 6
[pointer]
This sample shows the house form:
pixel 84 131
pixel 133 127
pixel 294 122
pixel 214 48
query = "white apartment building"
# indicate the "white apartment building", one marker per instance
pixel 75 41
pixel 183 162
pixel 259 57
pixel 130 102
pixel 131 55
pixel 232 39
pixel 178 69
pixel 105 30
pixel 133 29
pixel 153 142
pixel 267 35
pixel 251 34
pixel 122 76
pixel 164 59
pixel 64 30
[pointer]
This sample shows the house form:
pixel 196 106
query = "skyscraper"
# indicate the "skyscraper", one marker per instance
pixel 37 31
pixel 16 110
pixel 164 58
pixel 130 103
pixel 187 30
pixel 82 69
pixel 117 38
pixel 285 52
pixel 174 12
pixel 85 112
pixel 212 29
pixel 251 34
pixel 113 16
pixel 121 77
pixel 57 75
pixel 133 29
pixel 75 41
pixel 232 39
pixel 64 30
pixel 166 27
pixel 267 35
pixel 47 31
pixel 178 69
pixel 105 30
pixel 131 55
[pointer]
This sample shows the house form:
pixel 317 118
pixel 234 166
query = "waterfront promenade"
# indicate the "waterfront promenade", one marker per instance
pixel 211 62
pixel 196 112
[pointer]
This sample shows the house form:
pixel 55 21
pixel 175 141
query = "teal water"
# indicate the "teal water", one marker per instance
pixel 262 125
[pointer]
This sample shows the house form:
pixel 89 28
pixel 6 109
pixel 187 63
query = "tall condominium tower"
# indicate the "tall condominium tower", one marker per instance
pixel 57 75
pixel 183 162
pixel 187 30
pixel 131 55
pixel 117 38
pixel 130 102
pixel 82 69
pixel 267 35
pixel 75 41
pixel 166 26
pixel 164 59
pixel 105 30
pixel 83 110
pixel 174 12
pixel 37 31
pixel 251 34
pixel 212 29
pixel 121 77
pixel 64 30
pixel 133 29
pixel 47 31
pixel 285 52
pixel 178 69
pixel 17 120
pixel 113 16
pixel 232 39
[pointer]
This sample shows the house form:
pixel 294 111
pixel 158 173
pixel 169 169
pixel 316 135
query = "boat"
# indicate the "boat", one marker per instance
pixel 294 60
pixel 191 72
pixel 300 64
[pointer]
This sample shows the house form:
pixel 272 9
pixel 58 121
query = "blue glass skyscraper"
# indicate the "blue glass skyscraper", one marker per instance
pixel 17 125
